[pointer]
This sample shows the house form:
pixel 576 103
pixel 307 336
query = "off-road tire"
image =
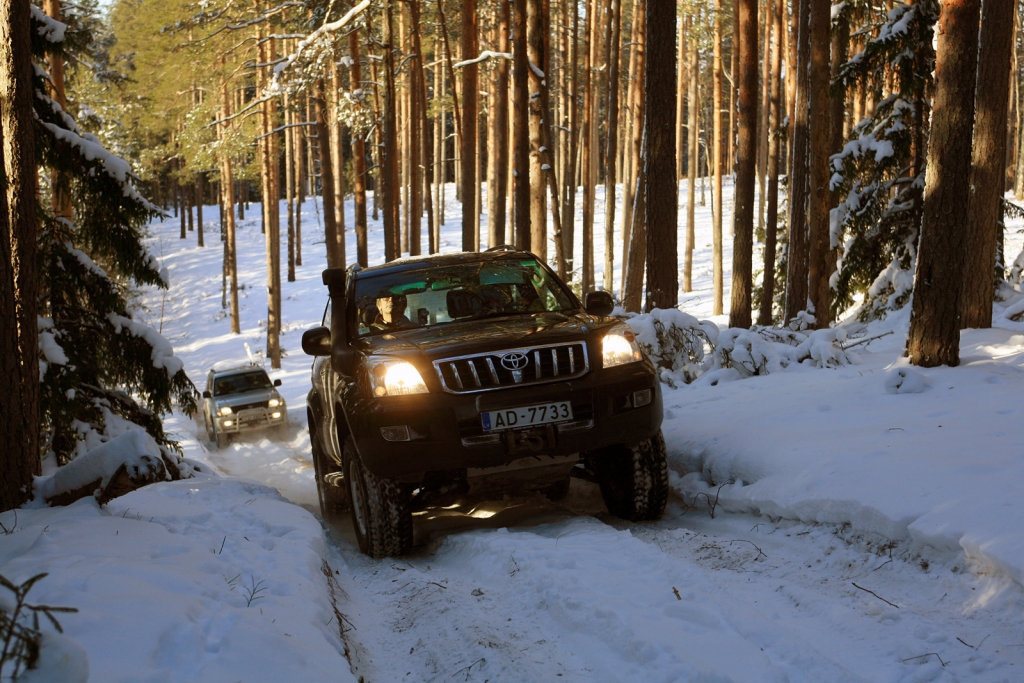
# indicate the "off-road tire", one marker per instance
pixel 222 440
pixel 333 499
pixel 381 514
pixel 634 479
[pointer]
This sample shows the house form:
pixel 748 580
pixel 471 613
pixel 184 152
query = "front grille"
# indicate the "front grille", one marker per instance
pixel 249 406
pixel 521 367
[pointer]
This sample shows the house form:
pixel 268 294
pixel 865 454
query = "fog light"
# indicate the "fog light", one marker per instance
pixel 397 433
pixel 642 398
pixel 228 423
pixel 275 415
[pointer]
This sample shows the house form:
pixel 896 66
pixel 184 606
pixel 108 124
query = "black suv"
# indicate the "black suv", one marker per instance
pixel 475 374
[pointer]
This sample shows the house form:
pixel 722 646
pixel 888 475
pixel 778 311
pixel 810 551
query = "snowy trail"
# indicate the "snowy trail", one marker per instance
pixel 570 593
pixel 525 590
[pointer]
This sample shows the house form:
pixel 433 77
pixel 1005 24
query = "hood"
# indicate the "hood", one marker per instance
pixel 490 334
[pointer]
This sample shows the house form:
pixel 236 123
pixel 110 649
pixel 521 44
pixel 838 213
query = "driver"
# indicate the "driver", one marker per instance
pixel 391 313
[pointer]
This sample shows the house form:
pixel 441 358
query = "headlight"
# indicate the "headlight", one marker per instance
pixel 274 402
pixel 619 347
pixel 396 378
pixel 224 410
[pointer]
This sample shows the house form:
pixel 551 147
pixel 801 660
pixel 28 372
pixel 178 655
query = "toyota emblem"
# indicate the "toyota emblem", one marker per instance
pixel 514 360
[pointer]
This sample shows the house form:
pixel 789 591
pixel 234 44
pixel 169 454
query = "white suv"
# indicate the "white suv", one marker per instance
pixel 241 400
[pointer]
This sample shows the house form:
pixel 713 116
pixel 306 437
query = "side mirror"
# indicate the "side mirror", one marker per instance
pixel 207 394
pixel 315 342
pixel 599 303
pixel 277 382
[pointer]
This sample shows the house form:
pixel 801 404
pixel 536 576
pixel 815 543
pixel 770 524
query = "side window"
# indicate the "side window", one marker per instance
pixel 327 313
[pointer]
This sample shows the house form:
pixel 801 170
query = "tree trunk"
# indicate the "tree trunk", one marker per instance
pixel 538 193
pixel 716 163
pixel 521 136
pixel 691 171
pixel 297 137
pixel 497 156
pixel 337 129
pixel 745 43
pixel 796 277
pixel 987 167
pixel 19 343
pixel 637 98
pixel 934 337
pixel 589 128
pixel 774 152
pixel 335 240
pixel 662 186
pixel 819 270
pixel 762 126
pixel 468 161
pixel 681 86
pixel 612 151
pixel 634 283
pixel 569 172
pixel 424 138
pixel 387 185
pixel 289 183
pixel 228 186
pixel 358 156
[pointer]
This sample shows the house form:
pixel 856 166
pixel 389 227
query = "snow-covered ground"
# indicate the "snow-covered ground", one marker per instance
pixel 826 526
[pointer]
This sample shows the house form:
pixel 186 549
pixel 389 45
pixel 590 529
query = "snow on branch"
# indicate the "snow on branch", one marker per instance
pixel 483 57
pixel 317 34
pixel 51 29
pixel 163 353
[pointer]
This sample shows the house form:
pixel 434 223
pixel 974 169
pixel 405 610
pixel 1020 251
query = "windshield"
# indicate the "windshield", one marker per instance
pixel 241 383
pixel 438 295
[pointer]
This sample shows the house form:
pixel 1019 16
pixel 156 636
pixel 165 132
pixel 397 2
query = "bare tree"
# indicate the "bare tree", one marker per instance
pixel 934 337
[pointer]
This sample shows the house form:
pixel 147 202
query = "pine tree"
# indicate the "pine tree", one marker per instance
pixel 101 369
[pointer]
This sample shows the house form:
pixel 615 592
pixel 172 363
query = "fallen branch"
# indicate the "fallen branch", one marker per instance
pixel 759 551
pixel 866 340
pixel 927 654
pixel 879 597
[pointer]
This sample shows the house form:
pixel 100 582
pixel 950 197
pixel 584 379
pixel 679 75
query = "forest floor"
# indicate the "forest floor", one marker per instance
pixel 821 528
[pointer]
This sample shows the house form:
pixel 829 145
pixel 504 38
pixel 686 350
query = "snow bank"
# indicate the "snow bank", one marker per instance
pixel 135 450
pixel 934 457
pixel 206 579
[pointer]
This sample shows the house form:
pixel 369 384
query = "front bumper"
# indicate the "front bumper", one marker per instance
pixel 446 433
pixel 252 420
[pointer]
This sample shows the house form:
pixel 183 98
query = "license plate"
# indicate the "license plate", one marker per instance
pixel 526 416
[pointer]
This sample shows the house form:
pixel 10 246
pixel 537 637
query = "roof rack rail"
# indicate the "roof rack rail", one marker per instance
pixel 502 247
